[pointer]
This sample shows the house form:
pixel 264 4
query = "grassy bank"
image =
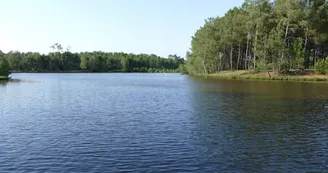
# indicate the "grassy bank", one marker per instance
pixel 293 76
pixel 4 78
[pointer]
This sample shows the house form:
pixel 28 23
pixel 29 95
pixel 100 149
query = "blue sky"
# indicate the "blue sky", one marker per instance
pixel 161 27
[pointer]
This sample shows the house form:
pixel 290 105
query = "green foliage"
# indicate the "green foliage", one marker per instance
pixel 261 66
pixel 91 61
pixel 14 60
pixel 182 69
pixel 321 67
pixel 151 70
pixel 70 61
pixel 272 67
pixel 4 67
pixel 284 33
pixel 125 64
pixel 84 63
pixel 299 54
pixel 284 66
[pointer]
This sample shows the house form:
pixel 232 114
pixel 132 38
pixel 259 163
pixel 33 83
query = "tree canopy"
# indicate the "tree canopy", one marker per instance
pixel 274 35
pixel 4 65
pixel 97 61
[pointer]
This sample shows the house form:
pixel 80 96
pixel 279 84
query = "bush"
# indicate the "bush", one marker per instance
pixel 272 67
pixel 300 62
pixel 284 66
pixel 261 66
pixel 4 67
pixel 143 69
pixel 321 67
pixel 182 69
pixel 151 70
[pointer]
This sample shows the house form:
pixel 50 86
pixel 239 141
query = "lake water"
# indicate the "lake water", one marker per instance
pixel 134 122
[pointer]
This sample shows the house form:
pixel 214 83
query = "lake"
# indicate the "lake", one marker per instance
pixel 134 122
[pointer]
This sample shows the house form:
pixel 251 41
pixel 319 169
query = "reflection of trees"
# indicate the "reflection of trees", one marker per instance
pixel 242 123
pixel 277 89
pixel 4 83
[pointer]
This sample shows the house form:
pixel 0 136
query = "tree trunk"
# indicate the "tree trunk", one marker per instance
pixel 265 61
pixel 246 57
pixel 245 66
pixel 249 60
pixel 220 67
pixel 255 44
pixel 238 57
pixel 305 44
pixel 203 62
pixel 231 51
pixel 315 56
pixel 286 34
pixel 279 66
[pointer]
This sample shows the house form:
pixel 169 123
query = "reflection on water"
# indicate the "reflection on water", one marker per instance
pixel 271 126
pixel 161 123
pixel 16 81
pixel 273 89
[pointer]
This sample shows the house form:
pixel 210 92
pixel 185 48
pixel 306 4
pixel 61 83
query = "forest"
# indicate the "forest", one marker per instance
pixel 263 35
pixel 97 61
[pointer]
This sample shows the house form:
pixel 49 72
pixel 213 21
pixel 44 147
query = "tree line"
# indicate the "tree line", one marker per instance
pixel 262 35
pixel 4 67
pixel 89 61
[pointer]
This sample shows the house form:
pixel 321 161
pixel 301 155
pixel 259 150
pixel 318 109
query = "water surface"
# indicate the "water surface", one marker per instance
pixel 100 122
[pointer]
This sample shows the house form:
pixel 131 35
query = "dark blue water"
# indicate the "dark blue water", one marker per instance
pixel 161 123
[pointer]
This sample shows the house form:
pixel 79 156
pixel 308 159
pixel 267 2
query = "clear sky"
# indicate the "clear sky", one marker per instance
pixel 161 27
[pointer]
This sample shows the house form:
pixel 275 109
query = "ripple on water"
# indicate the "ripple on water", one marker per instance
pixel 160 123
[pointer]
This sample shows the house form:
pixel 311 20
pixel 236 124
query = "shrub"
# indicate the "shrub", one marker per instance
pixel 182 69
pixel 284 66
pixel 321 67
pixel 272 67
pixel 4 67
pixel 143 69
pixel 260 65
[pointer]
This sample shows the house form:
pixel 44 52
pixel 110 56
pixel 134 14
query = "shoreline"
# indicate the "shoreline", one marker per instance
pixel 83 71
pixel 4 78
pixel 264 76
